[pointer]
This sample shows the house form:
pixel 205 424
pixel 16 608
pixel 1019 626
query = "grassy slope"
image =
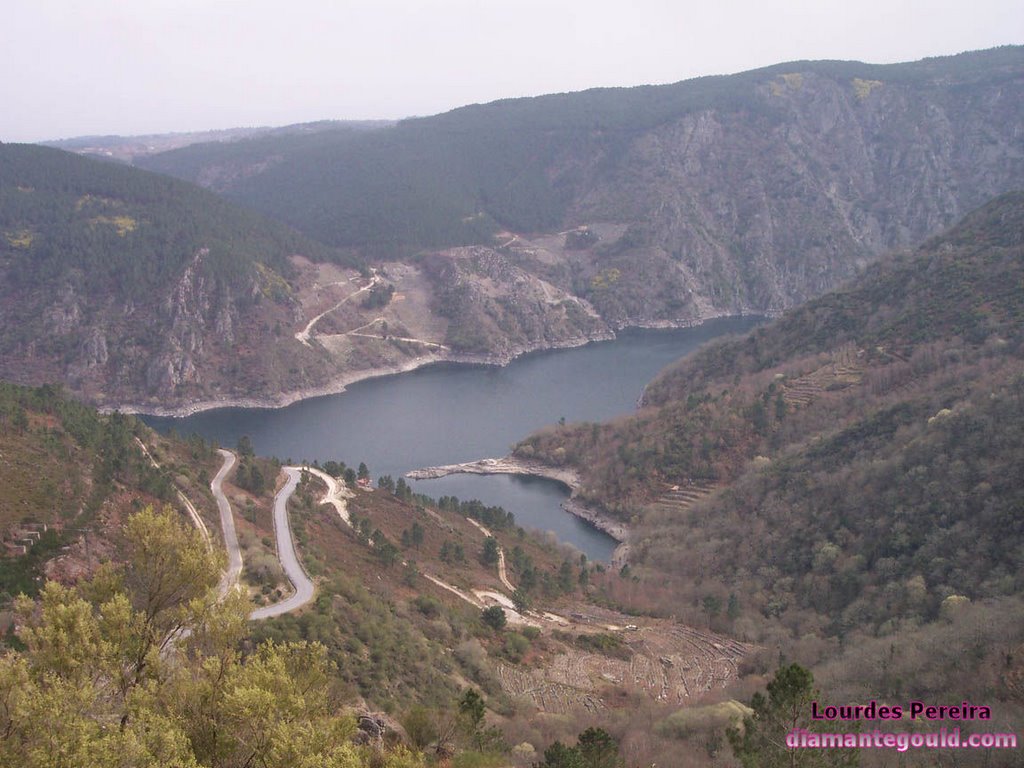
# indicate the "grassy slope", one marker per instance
pixel 76 471
pixel 396 636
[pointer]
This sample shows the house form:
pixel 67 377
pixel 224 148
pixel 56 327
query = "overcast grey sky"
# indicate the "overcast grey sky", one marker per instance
pixel 77 67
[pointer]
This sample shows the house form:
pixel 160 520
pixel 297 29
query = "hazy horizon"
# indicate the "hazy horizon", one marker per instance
pixel 176 66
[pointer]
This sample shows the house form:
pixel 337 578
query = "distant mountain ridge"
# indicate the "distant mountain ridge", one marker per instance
pixel 492 230
pixel 128 148
pixel 748 192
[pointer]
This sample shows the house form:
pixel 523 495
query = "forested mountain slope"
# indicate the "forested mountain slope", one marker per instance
pixel 141 291
pixel 843 486
pixel 863 451
pixel 111 546
pixel 749 192
pixel 94 663
pixel 121 282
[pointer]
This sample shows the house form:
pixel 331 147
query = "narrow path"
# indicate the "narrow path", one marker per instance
pixel 481 598
pixel 409 339
pixel 511 614
pixel 227 525
pixel 303 335
pixel 502 573
pixel 455 590
pixel 381 336
pixel 193 513
pixel 286 554
pixel 364 327
pixel 337 495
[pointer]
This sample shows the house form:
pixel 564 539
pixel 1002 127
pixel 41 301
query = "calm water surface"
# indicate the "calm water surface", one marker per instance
pixel 449 413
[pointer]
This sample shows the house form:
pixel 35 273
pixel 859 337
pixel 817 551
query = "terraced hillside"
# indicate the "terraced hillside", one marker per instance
pixel 841 371
pixel 669 663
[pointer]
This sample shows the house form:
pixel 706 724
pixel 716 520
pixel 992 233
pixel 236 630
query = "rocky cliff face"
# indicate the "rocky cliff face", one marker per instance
pixel 130 287
pixel 497 308
pixel 761 208
pixel 179 343
pixel 752 192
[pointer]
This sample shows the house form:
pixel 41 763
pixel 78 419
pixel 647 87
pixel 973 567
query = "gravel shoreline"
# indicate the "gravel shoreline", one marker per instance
pixel 510 465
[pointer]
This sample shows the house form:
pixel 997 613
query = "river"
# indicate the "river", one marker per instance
pixel 449 413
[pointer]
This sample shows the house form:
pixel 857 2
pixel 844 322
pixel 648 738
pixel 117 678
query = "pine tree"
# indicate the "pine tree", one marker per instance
pixel 762 741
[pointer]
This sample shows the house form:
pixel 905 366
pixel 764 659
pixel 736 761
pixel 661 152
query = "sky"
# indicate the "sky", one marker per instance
pixel 88 67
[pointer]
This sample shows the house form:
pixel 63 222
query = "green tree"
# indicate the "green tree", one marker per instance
pixel 598 749
pixel 110 677
pixel 472 707
pixel 762 741
pixel 560 756
pixel 471 711
pixel 489 554
pixel 257 483
pixel 566 576
pixel 733 609
pixel 521 601
pixel 494 617
pixel 712 605
pixel 387 553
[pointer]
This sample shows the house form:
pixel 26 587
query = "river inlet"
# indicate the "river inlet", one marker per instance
pixel 450 413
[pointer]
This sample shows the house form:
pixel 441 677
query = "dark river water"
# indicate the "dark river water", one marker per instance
pixel 449 413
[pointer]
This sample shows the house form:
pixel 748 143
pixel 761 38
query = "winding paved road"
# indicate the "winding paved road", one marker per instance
pixel 227 525
pixel 336 495
pixel 286 553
